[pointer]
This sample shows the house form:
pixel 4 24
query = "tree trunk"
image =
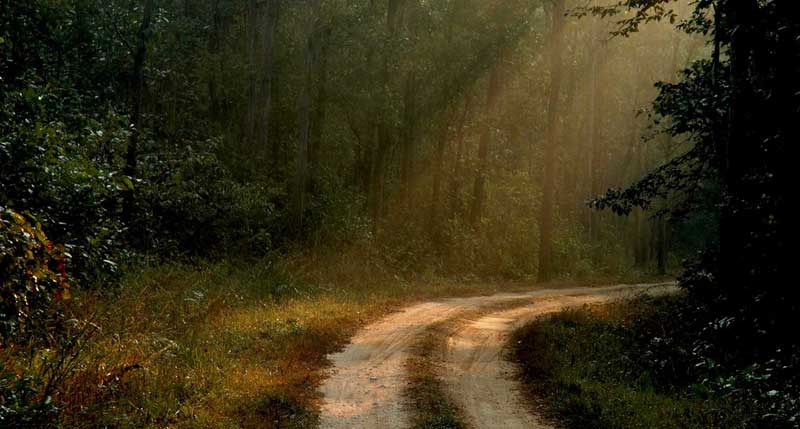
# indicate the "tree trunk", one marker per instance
pixel 592 134
pixel 318 123
pixel 492 90
pixel 252 39
pixel 787 86
pixel 548 184
pixel 273 13
pixel 138 88
pixel 382 129
pixel 377 174
pixel 305 118
pixel 458 165
pixel 214 45
pixel 661 245
pixel 409 134
pixel 734 225
pixel 437 175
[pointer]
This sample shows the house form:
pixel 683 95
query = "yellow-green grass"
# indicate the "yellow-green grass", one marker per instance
pixel 228 345
pixel 431 405
pixel 586 368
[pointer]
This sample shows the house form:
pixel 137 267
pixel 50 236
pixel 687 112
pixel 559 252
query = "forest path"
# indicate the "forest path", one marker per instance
pixel 367 381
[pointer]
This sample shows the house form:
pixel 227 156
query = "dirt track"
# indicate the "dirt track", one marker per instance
pixel 366 384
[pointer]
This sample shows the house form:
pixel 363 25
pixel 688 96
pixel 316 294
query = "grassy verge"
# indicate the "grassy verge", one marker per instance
pixel 616 365
pixel 226 345
pixel 431 407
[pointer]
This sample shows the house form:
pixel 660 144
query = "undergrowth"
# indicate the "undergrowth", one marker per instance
pixel 218 344
pixel 637 364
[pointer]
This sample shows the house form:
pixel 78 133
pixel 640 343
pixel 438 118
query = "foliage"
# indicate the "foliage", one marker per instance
pixel 689 106
pixel 32 276
pixel 737 110
pixel 639 363
pixel 20 402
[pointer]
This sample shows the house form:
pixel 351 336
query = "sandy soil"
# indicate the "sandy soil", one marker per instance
pixel 367 380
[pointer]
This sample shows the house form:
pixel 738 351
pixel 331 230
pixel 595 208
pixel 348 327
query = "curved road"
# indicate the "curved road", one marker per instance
pixel 366 383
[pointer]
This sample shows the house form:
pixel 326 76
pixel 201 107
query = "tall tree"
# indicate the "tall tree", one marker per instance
pixel 438 164
pixel 318 121
pixel 458 162
pixel 137 95
pixel 548 181
pixel 478 191
pixel 253 25
pixel 272 15
pixel 305 115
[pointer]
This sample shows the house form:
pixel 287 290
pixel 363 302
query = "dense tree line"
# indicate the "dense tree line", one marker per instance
pixel 459 137
pixel 207 127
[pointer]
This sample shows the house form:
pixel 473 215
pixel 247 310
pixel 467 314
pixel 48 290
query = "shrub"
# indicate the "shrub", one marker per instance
pixel 32 276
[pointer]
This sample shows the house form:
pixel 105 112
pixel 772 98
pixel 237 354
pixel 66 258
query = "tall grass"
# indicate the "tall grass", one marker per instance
pixel 614 366
pixel 226 344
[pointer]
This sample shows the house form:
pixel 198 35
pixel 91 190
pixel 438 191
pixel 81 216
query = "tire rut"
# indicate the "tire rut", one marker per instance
pixel 366 384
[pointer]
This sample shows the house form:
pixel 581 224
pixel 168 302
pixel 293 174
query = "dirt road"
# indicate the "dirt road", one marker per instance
pixel 367 380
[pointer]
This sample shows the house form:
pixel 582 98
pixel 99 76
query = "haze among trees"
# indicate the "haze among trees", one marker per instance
pixel 171 170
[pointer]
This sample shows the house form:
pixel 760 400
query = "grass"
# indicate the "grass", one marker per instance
pixel 605 367
pixel 432 407
pixel 228 345
pixel 430 404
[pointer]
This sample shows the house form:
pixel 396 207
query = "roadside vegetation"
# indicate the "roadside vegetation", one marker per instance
pixel 219 344
pixel 652 363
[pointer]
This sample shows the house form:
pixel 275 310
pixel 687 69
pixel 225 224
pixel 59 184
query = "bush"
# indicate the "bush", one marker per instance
pixel 650 363
pixel 38 347
pixel 32 276
pixel 21 404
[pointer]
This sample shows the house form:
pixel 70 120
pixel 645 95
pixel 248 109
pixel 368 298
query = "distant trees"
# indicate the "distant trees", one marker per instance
pixel 137 94
pixel 445 124
pixel 548 177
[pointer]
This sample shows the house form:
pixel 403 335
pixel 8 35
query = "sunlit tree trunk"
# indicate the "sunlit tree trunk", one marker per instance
pixel 441 143
pixel 408 134
pixel 592 137
pixel 548 181
pixel 458 164
pixel 479 188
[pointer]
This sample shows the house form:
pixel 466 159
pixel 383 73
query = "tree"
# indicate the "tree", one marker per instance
pixel 305 116
pixel 548 178
pixel 137 94
pixel 478 193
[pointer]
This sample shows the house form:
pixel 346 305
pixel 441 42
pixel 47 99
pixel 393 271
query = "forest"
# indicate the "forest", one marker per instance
pixel 202 202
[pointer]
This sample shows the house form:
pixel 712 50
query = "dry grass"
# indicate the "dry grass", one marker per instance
pixel 225 345
pixel 232 345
